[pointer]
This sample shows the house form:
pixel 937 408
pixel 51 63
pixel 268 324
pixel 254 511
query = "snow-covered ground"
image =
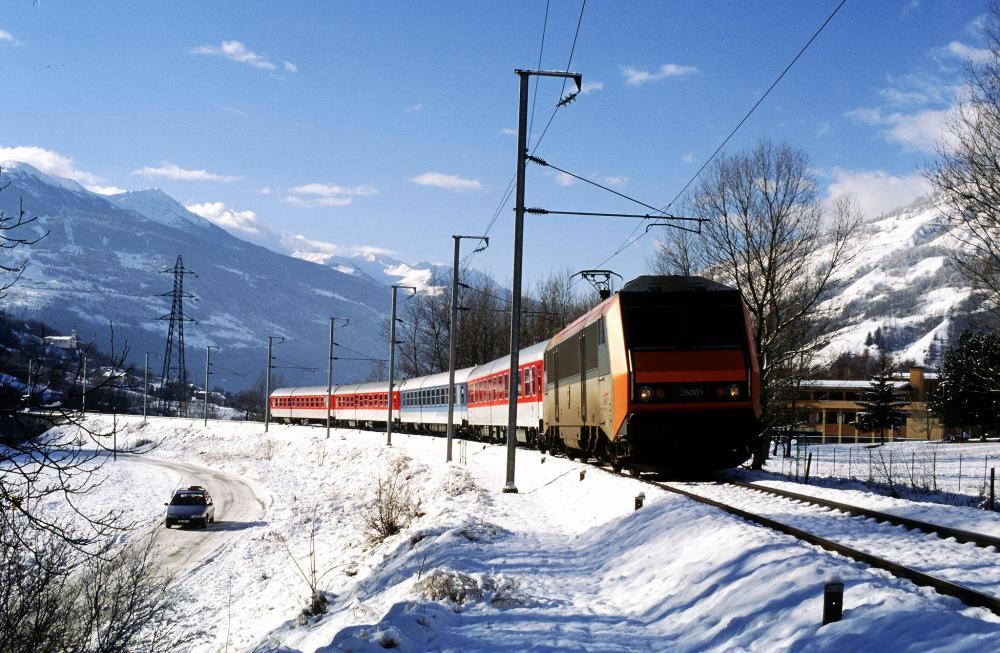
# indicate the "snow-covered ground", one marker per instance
pixel 565 564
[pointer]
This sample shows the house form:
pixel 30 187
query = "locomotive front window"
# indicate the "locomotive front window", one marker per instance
pixel 684 327
pixel 715 326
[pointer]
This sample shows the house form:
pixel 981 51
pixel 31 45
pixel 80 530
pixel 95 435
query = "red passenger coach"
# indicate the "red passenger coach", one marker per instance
pixel 489 396
pixel 299 404
pixel 364 405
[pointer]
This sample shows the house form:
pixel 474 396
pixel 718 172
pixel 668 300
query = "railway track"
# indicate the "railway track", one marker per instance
pixel 880 540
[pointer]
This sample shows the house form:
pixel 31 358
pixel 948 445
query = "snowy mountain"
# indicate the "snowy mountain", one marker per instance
pixel 381 268
pixel 901 292
pixel 101 265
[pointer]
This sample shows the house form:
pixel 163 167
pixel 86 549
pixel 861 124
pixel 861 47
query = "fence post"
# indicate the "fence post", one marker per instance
pixel 639 499
pixel 959 491
pixel 809 460
pixel 934 471
pixel 993 480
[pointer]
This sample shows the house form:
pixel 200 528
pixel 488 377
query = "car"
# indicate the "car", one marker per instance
pixel 191 505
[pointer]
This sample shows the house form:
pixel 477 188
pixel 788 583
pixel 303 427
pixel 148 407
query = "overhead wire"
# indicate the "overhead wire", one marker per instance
pixel 631 239
pixel 541 49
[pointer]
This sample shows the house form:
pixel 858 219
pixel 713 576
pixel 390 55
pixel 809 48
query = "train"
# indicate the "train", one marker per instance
pixel 660 376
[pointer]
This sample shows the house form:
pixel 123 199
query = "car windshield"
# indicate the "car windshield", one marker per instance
pixel 188 500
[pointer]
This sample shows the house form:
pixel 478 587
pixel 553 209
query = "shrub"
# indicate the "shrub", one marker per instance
pixel 392 507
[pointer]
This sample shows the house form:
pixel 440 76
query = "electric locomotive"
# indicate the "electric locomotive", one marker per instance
pixel 661 376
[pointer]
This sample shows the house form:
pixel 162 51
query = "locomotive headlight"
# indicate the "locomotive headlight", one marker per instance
pixel 645 393
pixel 734 391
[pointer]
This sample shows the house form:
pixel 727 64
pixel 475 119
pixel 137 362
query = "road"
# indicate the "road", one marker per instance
pixel 237 510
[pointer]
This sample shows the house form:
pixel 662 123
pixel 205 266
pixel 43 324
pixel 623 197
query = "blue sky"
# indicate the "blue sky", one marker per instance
pixel 336 127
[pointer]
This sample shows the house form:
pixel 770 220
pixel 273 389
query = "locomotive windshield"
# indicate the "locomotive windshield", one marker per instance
pixel 684 326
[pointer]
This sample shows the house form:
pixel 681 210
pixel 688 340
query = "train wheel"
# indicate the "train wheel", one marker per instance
pixel 634 472
pixel 616 466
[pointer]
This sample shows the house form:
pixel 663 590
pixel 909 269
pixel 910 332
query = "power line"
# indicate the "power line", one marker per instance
pixel 543 162
pixel 630 239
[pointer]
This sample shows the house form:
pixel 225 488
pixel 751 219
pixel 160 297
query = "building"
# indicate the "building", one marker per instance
pixel 830 409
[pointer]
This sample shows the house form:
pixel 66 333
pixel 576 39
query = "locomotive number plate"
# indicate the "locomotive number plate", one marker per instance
pixel 691 393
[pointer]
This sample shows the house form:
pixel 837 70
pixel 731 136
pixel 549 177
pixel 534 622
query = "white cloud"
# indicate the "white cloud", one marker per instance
pixel 976 25
pixel 636 77
pixel 315 202
pixel 921 131
pixel 315 195
pixel 968 52
pixel 688 159
pixel 450 182
pixel 8 38
pixel 169 170
pixel 876 191
pixel 57 165
pixel 106 190
pixel 243 222
pixel 264 190
pixel 564 180
pixel 332 190
pixel 590 87
pixel 236 112
pixel 823 129
pixel 240 53
pixel 509 131
pixel 419 106
pixel 616 180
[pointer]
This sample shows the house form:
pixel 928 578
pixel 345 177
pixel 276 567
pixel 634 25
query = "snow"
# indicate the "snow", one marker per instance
pixel 564 564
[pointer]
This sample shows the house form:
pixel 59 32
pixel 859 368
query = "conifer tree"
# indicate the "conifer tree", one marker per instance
pixel 968 390
pixel 881 405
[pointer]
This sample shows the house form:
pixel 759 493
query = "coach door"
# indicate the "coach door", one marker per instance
pixel 583 377
pixel 555 376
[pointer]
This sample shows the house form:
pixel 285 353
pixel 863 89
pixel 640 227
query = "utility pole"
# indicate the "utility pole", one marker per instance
pixel 31 363
pixel 515 308
pixel 145 385
pixel 208 366
pixel 392 360
pixel 453 336
pixel 329 374
pixel 267 380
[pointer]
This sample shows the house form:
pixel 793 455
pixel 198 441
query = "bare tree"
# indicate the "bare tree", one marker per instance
pixel 767 235
pixel 967 170
pixel 676 254
pixel 53 598
pixel 553 304
pixel 483 321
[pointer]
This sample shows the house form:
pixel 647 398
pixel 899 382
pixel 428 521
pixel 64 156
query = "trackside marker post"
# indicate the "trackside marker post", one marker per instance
pixel 833 600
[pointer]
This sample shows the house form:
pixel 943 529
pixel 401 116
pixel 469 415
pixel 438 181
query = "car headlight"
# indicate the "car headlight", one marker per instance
pixel 734 391
pixel 645 393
